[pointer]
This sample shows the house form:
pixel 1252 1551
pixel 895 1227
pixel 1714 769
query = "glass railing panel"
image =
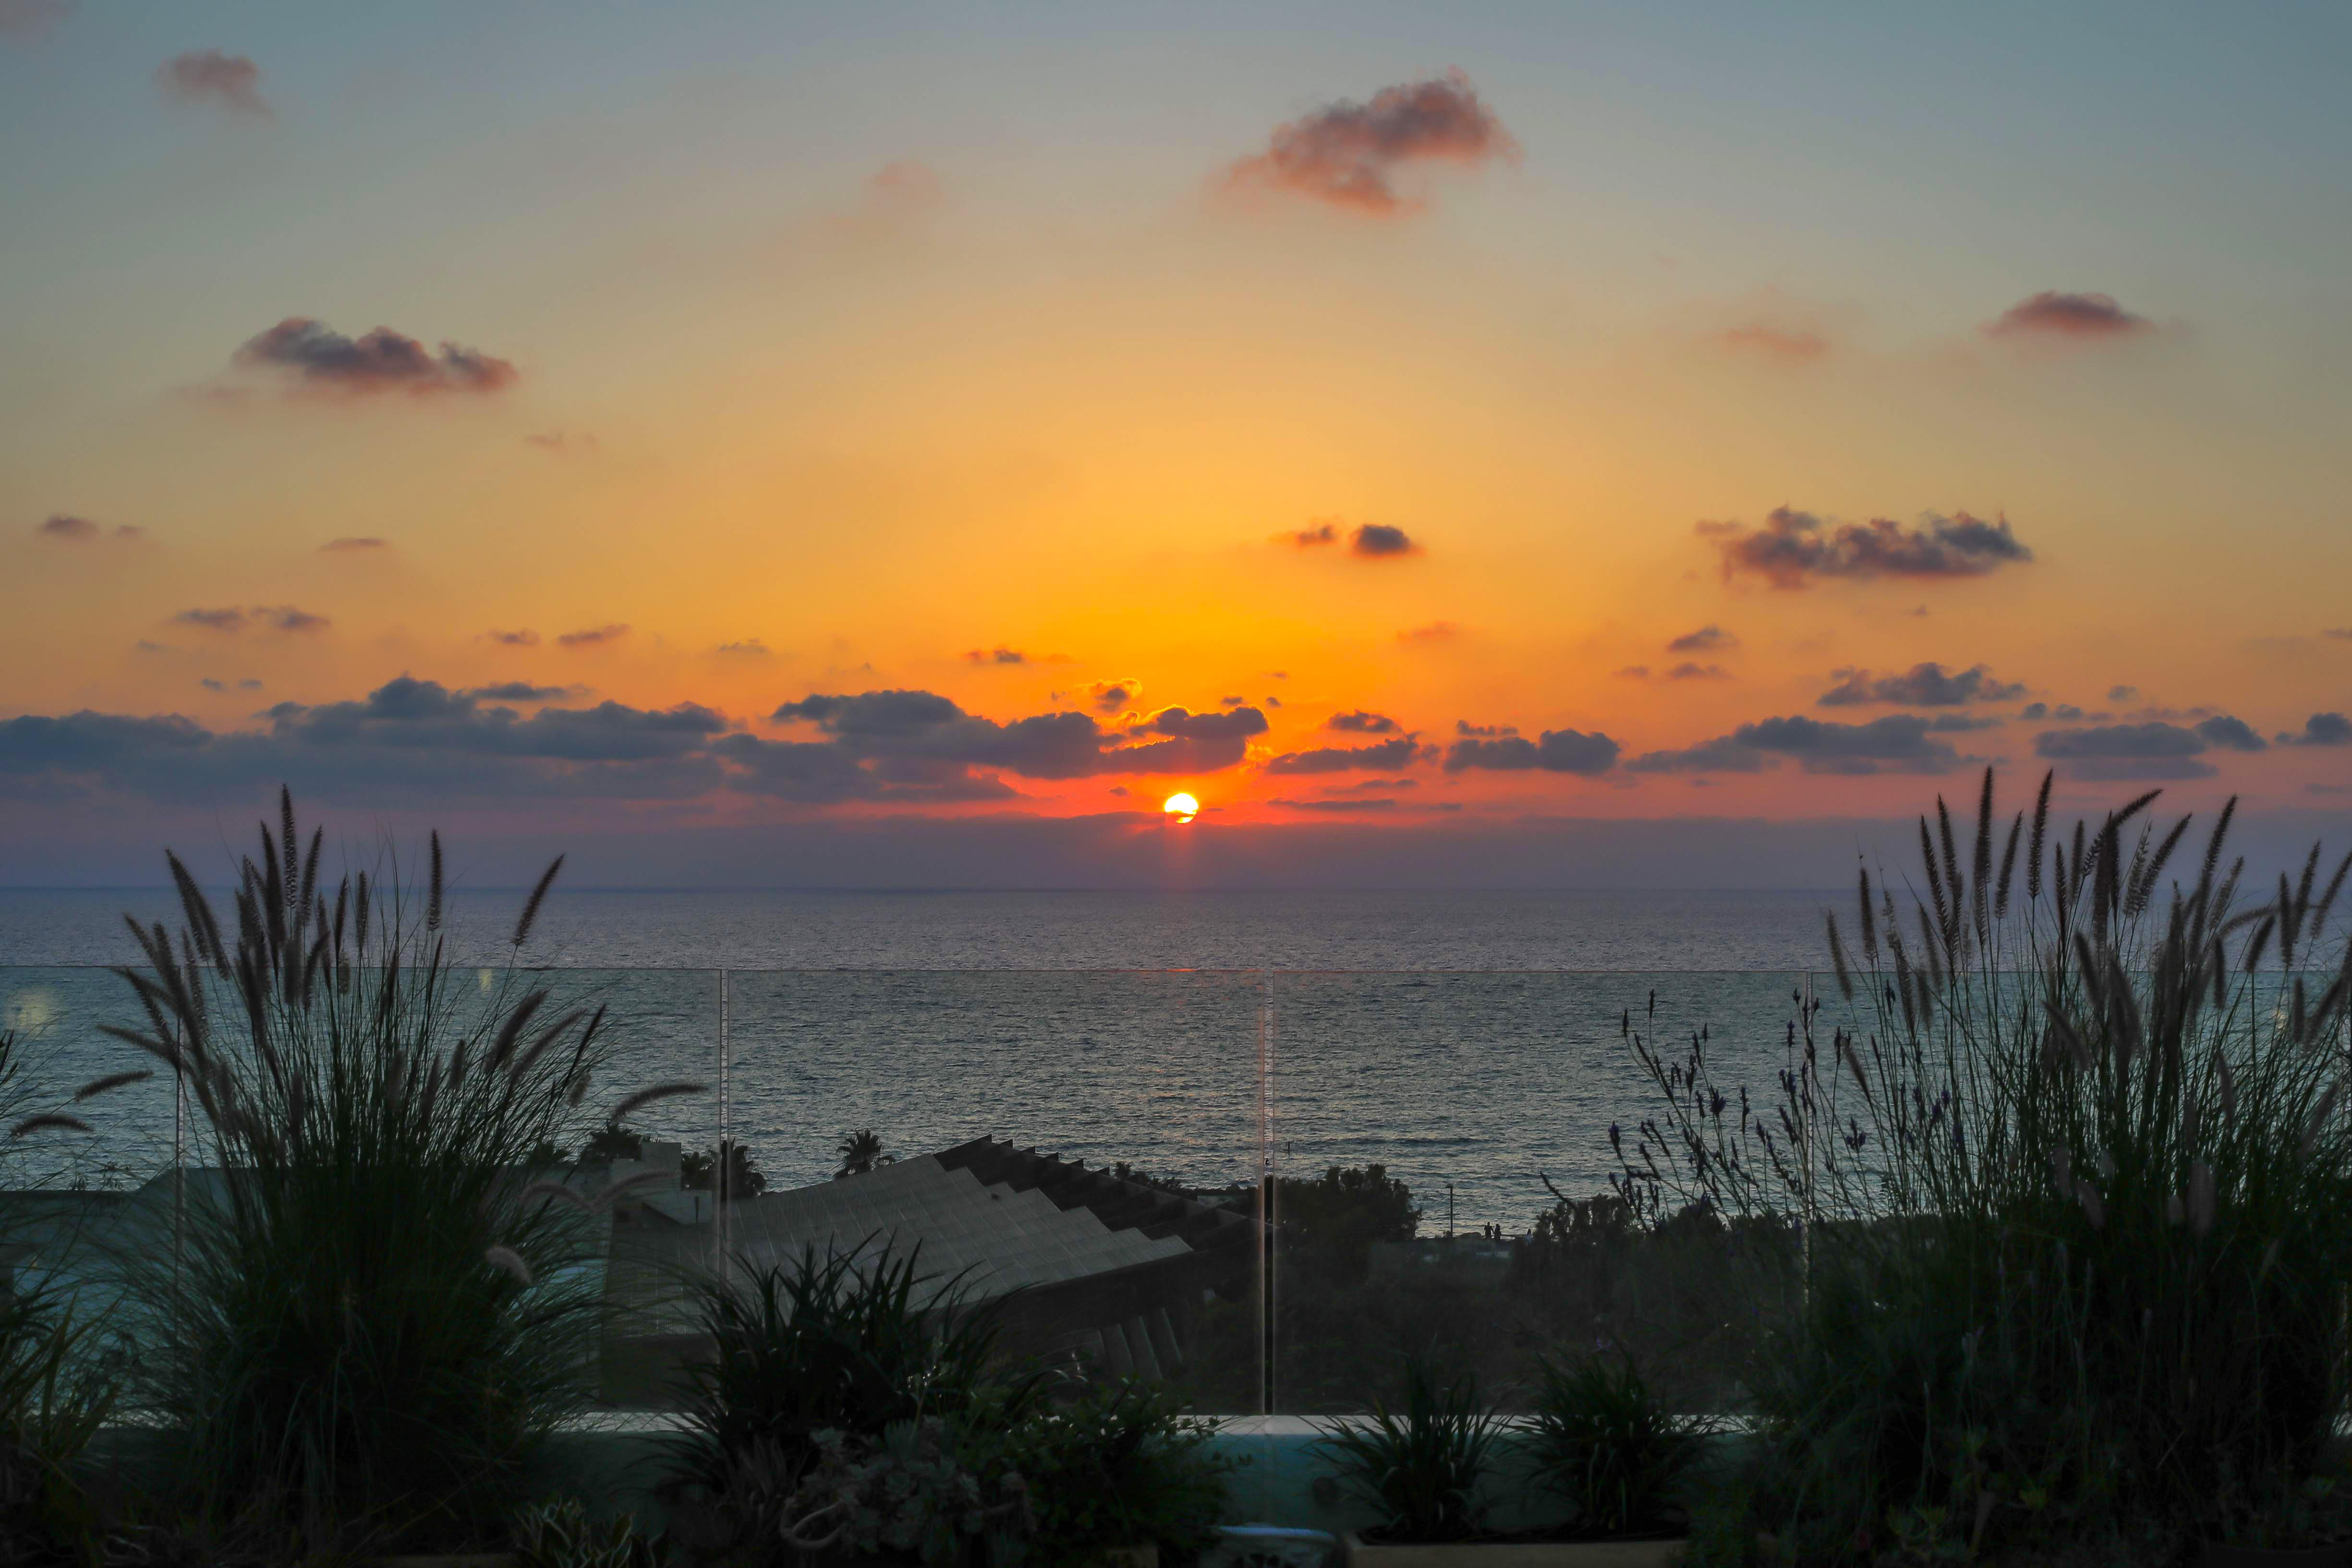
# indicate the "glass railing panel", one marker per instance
pixel 1078 1146
pixel 1444 1188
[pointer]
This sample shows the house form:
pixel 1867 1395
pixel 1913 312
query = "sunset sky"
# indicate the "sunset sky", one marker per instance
pixel 1396 425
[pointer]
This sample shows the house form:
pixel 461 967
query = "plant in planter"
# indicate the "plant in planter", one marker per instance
pixel 381 1307
pixel 1602 1439
pixel 921 1491
pixel 2069 1166
pixel 2285 1526
pixel 1423 1465
pixel 559 1534
pixel 58 1386
pixel 1121 1467
pixel 852 1342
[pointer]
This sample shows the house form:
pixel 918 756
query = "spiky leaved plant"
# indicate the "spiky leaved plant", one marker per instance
pixel 381 1312
pixel 1426 1464
pixel 54 1391
pixel 2076 1158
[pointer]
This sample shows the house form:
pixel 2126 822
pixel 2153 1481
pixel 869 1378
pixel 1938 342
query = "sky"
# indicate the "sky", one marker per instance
pixel 759 445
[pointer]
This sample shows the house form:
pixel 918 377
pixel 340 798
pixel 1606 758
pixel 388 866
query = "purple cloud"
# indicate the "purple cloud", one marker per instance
pixel 208 75
pixel 317 357
pixel 1348 154
pixel 1794 549
pixel 2053 314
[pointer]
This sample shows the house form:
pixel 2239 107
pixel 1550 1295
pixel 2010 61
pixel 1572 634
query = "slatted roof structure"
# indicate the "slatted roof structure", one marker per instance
pixel 1084 1261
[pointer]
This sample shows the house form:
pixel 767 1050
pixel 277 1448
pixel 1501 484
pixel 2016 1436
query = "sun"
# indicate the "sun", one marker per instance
pixel 1182 807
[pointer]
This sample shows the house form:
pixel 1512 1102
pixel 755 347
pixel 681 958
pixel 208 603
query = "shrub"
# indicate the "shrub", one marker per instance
pixel 920 1489
pixel 56 1388
pixel 559 1534
pixel 1600 1438
pixel 2071 1165
pixel 380 1311
pixel 1120 1465
pixel 1425 1466
pixel 851 1342
pixel 1334 1218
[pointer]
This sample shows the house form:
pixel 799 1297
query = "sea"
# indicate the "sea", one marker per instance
pixel 1473 1043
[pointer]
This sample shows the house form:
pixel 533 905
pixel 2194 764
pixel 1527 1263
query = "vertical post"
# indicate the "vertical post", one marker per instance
pixel 179 1170
pixel 1806 1077
pixel 1265 1195
pixel 722 1156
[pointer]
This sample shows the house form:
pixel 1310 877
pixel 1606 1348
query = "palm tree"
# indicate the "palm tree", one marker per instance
pixel 744 1177
pixel 860 1152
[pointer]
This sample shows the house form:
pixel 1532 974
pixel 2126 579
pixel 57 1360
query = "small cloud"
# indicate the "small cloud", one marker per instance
pixel 908 185
pixel 1923 686
pixel 2321 729
pixel 1786 346
pixel 354 544
pixel 232 619
pixel 1377 541
pixel 1284 674
pixel 1112 696
pixel 1273 702
pixel 748 647
pixel 1688 671
pixel 1435 632
pixel 2126 751
pixel 1001 655
pixel 146 646
pixel 1462 727
pixel 1323 532
pixel 29 21
pixel 80 530
pixel 2055 315
pixel 248 684
pixel 1362 722
pixel 1348 154
pixel 563 443
pixel 1633 672
pixel 211 684
pixel 1351 803
pixel 1558 751
pixel 1373 541
pixel 208 75
pixel 2342 634
pixel 522 638
pixel 594 636
pixel 1793 549
pixel 1381 755
pixel 2123 693
pixel 1706 639
pixel 520 692
pixel 317 358
pixel 2232 734
pixel 1901 743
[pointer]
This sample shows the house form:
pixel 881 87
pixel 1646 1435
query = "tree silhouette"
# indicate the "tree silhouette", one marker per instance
pixel 861 1152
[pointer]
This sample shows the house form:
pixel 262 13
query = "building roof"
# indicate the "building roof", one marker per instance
pixel 1002 1217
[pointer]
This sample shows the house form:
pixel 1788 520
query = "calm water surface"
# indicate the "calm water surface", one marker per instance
pixel 1462 1038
